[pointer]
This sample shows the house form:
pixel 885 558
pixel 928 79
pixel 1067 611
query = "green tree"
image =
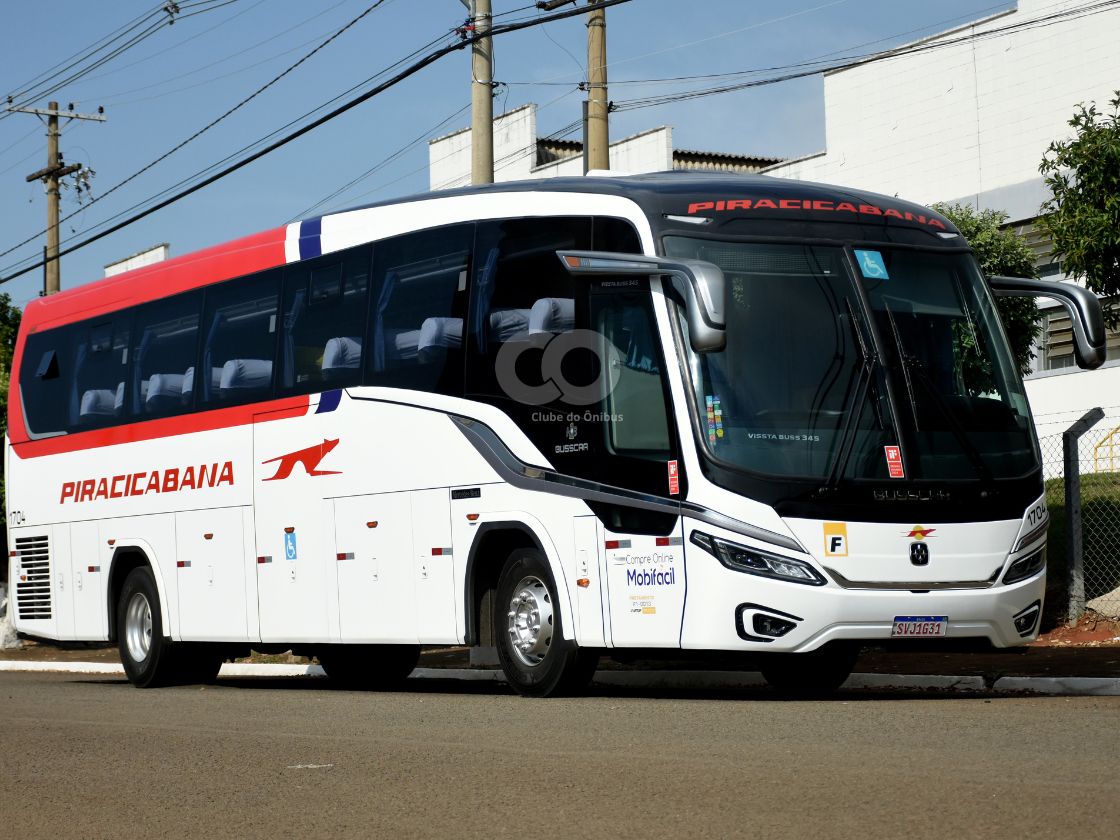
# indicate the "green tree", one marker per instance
pixel 1000 251
pixel 1083 211
pixel 9 326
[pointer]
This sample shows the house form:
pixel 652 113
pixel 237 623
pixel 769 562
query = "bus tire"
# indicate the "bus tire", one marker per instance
pixel 147 655
pixel 813 674
pixel 369 667
pixel 536 658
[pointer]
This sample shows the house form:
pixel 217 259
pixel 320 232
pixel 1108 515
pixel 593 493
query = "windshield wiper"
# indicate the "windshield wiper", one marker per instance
pixel 908 363
pixel 870 363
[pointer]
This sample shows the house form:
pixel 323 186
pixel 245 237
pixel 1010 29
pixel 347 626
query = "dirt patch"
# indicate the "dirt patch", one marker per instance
pixel 1093 630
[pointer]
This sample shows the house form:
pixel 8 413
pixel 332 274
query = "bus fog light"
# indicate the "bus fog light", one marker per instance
pixel 1026 620
pixel 769 625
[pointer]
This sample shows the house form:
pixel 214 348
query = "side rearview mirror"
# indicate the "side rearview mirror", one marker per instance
pixel 700 284
pixel 1083 307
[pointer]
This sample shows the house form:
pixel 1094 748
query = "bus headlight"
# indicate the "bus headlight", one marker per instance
pixel 1025 567
pixel 740 558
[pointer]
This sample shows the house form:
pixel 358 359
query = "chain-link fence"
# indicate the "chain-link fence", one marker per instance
pixel 1098 467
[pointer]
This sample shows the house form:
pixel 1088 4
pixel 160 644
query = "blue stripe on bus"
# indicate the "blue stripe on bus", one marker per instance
pixel 329 401
pixel 309 242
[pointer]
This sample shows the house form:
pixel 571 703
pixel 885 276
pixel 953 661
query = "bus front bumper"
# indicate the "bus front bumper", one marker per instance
pixel 722 605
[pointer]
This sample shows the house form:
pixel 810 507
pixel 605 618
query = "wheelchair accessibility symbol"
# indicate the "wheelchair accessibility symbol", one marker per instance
pixel 871 265
pixel 290 545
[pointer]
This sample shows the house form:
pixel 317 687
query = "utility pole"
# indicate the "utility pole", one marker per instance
pixel 55 169
pixel 598 134
pixel 596 127
pixel 482 93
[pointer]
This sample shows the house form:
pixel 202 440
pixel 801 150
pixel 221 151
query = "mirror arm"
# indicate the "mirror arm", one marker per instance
pixel 700 284
pixel 1083 306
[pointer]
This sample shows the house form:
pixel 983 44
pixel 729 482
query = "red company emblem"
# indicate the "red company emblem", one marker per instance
pixel 920 533
pixel 309 457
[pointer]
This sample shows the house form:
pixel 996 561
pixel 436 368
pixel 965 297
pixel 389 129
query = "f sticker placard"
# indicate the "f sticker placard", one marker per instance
pixel 894 462
pixel 836 539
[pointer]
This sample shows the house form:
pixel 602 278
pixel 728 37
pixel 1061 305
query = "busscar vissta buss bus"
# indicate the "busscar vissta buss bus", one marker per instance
pixel 664 413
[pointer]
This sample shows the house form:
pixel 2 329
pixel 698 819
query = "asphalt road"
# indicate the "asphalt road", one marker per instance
pixel 94 757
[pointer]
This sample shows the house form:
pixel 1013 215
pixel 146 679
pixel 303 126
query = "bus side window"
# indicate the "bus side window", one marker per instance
pixel 45 378
pixel 636 415
pixel 615 235
pixel 97 390
pixel 164 350
pixel 324 322
pixel 238 343
pixel 522 295
pixel 417 309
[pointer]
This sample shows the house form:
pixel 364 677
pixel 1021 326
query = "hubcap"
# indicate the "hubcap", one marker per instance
pixel 530 621
pixel 138 627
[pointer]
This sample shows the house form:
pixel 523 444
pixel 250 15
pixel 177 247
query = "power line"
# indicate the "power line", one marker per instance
pixel 120 68
pixel 84 53
pixel 111 97
pixel 407 72
pixel 921 47
pixel 15 143
pixel 506 158
pixel 820 61
pixel 380 164
pixel 205 128
pixel 246 148
pixel 170 8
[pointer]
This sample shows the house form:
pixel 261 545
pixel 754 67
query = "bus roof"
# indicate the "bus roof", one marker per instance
pixel 662 194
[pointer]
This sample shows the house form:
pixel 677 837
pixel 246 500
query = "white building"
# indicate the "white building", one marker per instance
pixel 157 253
pixel 966 119
pixel 520 154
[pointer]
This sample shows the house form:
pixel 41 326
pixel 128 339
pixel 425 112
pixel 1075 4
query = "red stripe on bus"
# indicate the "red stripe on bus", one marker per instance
pixel 184 424
pixel 131 288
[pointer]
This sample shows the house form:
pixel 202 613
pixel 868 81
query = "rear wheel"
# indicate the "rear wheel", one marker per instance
pixel 535 657
pixel 814 674
pixel 369 666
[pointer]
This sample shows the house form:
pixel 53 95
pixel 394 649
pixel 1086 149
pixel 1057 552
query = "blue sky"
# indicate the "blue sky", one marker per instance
pixel 180 78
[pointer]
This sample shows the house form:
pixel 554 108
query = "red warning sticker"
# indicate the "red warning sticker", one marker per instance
pixel 674 479
pixel 894 462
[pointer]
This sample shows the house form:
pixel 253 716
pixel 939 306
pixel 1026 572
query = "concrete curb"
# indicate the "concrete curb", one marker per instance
pixel 1093 686
pixel 1084 686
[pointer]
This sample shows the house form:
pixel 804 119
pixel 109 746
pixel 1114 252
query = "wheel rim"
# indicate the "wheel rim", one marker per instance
pixel 530 621
pixel 138 627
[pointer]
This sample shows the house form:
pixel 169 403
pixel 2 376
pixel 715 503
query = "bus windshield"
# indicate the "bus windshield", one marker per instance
pixel 812 385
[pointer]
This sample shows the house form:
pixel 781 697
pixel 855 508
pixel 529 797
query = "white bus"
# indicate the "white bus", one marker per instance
pixel 672 413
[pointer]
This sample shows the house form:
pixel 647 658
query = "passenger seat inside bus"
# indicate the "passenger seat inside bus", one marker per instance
pixel 162 392
pixel 243 377
pixel 505 324
pixel 555 315
pixel 188 382
pixel 98 405
pixel 341 355
pixel 427 344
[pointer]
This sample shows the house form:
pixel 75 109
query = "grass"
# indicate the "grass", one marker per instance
pixel 1100 529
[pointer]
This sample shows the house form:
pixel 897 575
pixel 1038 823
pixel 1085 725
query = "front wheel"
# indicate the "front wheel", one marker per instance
pixel 812 674
pixel 536 658
pixel 146 654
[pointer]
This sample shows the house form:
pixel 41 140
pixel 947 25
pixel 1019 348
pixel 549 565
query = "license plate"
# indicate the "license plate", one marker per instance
pixel 920 626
